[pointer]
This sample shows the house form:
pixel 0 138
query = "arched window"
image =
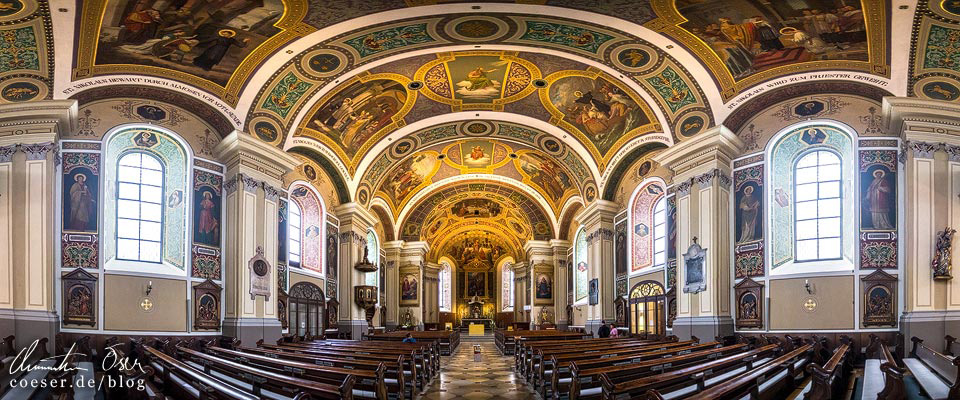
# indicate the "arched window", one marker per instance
pixel 580 267
pixel 648 220
pixel 647 315
pixel 660 233
pixel 373 257
pixel 817 208
pixel 446 300
pixel 295 233
pixel 311 222
pixel 306 309
pixel 507 296
pixel 139 208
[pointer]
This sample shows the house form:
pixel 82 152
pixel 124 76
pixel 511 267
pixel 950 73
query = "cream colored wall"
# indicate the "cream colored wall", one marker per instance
pixel 122 295
pixel 652 276
pixel 834 297
pixel 297 277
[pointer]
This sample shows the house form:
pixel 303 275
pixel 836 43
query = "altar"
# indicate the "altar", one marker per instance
pixel 486 322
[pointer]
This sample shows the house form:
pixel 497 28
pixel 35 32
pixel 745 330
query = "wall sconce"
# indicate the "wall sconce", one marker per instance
pixel 806 284
pixel 149 287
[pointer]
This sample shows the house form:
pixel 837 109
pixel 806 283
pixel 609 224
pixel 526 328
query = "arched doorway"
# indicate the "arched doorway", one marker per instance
pixel 647 309
pixel 306 304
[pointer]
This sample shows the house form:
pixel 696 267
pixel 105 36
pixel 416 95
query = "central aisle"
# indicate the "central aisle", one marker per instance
pixel 491 378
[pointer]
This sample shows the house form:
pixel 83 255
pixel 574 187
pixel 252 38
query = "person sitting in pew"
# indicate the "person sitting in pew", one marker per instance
pixel 409 338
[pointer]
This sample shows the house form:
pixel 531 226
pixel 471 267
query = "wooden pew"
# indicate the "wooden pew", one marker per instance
pixel 527 354
pixel 829 381
pixel 890 374
pixel 449 340
pixel 585 377
pixel 423 353
pixel 420 354
pixel 260 380
pixel 691 378
pixel 938 374
pixel 183 381
pixel 31 355
pixel 552 358
pixel 394 375
pixel 560 378
pixel 534 355
pixel 368 383
pixel 771 380
pixel 506 340
pixel 412 370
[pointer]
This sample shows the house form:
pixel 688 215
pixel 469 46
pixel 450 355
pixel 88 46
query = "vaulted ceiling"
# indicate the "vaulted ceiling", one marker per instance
pixel 400 101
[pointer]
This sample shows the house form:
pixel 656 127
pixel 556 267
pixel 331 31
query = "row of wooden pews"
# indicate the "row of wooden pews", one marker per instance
pixel 506 340
pixel 937 373
pixel 667 368
pixel 448 341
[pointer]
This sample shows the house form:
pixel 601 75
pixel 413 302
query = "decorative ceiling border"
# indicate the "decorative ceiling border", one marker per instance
pixel 27 59
pixel 933 73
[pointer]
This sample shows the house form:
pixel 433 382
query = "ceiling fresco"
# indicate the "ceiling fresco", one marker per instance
pixel 744 42
pixel 600 111
pixel 934 71
pixel 26 51
pixel 476 205
pixel 550 166
pixel 548 176
pixel 211 44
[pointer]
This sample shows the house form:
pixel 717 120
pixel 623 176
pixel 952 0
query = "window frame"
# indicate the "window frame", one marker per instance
pixel 294 205
pixel 445 298
pixel 840 197
pixel 660 232
pixel 580 236
pixel 507 274
pixel 162 204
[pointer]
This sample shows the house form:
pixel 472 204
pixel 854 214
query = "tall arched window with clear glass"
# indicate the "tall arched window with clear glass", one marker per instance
pixel 139 207
pixel 445 297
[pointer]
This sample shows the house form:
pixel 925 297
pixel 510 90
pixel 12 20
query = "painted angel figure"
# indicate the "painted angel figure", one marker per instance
pixel 941 260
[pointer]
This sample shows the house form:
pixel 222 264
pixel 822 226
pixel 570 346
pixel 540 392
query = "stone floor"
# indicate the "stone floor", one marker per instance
pixel 491 378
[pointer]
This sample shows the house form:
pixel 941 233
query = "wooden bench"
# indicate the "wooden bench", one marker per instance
pixel 411 369
pixel 506 340
pixel 585 378
pixel 449 340
pixel 536 355
pixel 394 370
pixel 552 358
pixel 426 354
pixel 183 381
pixel 527 354
pixel 689 379
pixel 771 380
pixel 263 383
pixel 561 377
pixel 368 383
pixel 828 381
pixel 938 374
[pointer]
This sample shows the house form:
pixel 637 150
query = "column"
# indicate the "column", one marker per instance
pixel 251 201
pixel 597 220
pixel 412 260
pixel 521 301
pixel 560 249
pixel 703 183
pixel 540 255
pixel 931 173
pixel 392 250
pixel 29 134
pixel 354 223
pixel 431 289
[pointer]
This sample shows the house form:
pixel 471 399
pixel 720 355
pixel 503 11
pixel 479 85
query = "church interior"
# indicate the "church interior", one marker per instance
pixel 432 199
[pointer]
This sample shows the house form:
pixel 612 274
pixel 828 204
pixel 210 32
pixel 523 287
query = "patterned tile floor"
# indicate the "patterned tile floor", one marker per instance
pixel 491 378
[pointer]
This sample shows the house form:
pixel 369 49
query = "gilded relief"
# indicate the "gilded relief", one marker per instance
pixel 212 44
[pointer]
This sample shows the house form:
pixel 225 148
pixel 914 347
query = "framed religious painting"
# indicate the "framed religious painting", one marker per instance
pixel 749 295
pixel 410 286
pixel 543 284
pixel 879 301
pixel 79 298
pixel 594 291
pixel 206 306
